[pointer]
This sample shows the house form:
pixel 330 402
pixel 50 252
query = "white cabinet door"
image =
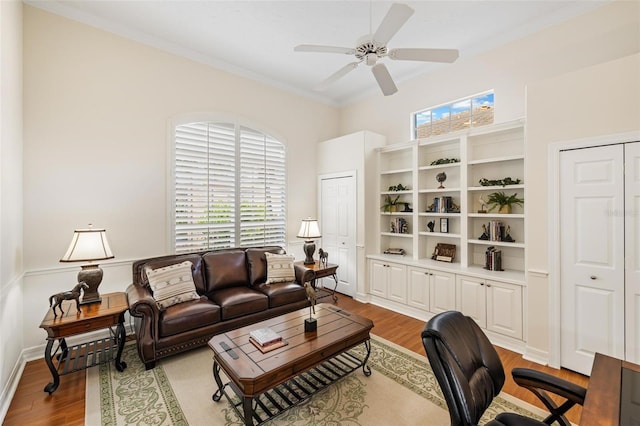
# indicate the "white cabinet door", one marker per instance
pixel 418 288
pixel 471 298
pixel 442 292
pixel 504 308
pixel 397 282
pixel 378 278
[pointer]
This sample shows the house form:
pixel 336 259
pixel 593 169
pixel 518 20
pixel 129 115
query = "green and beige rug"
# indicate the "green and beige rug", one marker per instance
pixel 402 390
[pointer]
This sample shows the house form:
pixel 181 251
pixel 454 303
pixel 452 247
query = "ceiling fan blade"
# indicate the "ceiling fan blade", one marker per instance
pixel 427 55
pixel 397 15
pixel 381 73
pixel 336 76
pixel 324 49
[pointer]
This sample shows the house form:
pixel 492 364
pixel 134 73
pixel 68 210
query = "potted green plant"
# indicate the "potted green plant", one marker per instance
pixel 503 201
pixel 391 204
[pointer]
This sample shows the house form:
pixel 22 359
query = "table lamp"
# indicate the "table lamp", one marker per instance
pixel 89 245
pixel 309 230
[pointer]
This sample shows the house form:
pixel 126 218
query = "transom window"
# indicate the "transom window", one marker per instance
pixel 229 186
pixel 458 115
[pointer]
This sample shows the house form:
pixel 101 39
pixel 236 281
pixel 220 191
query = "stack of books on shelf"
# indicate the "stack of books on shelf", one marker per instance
pixel 399 226
pixel 266 339
pixel 493 259
pixel 496 230
pixel 444 205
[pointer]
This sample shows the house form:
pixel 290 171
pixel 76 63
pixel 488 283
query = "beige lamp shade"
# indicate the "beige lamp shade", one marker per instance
pixel 88 245
pixel 309 229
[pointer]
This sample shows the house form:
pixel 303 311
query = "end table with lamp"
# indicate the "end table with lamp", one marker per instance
pixel 91 314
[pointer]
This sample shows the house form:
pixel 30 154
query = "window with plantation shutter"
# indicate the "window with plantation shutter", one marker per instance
pixel 230 187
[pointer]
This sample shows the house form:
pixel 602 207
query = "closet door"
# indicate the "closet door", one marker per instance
pixel 632 250
pixel 592 255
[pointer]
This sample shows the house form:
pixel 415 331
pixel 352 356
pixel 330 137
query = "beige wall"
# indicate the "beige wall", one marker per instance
pixel 97 111
pixel 602 35
pixel 596 101
pixel 11 242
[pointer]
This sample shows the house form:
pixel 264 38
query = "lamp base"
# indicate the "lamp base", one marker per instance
pixel 91 275
pixel 310 324
pixel 309 248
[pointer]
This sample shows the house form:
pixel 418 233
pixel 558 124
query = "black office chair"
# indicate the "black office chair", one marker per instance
pixel 470 374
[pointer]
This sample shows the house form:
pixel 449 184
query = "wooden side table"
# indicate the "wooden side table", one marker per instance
pixel 323 271
pixel 107 314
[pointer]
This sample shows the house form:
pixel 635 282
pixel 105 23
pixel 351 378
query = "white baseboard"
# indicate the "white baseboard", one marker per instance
pixel 10 389
pixel 37 352
pixel 536 355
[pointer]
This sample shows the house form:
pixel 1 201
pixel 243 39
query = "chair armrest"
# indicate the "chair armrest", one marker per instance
pixel 528 378
pixel 303 274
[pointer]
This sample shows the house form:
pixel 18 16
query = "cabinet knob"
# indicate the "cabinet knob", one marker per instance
pixel 488 285
pixel 481 283
pixel 593 277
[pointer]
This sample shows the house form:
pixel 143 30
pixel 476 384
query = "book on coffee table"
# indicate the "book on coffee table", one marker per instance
pixel 270 346
pixel 265 336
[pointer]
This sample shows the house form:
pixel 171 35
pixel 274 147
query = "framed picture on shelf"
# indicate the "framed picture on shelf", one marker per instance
pixel 444 224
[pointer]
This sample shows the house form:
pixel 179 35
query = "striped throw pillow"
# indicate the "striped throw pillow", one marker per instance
pixel 279 268
pixel 172 284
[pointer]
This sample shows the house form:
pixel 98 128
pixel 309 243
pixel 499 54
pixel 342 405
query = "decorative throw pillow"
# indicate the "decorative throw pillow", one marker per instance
pixel 172 284
pixel 280 268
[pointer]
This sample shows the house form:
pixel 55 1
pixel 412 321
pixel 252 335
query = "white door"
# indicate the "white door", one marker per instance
pixel 632 250
pixel 592 255
pixel 338 229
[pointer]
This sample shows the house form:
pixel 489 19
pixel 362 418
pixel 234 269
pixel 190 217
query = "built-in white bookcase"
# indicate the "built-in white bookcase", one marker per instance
pixel 416 284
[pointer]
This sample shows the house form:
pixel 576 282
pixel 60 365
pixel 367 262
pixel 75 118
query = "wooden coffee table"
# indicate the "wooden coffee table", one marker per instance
pixel 265 385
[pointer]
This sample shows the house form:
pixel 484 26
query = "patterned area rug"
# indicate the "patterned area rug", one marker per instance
pixel 402 390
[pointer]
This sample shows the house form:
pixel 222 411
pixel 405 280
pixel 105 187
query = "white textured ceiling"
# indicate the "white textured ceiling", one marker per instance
pixel 256 38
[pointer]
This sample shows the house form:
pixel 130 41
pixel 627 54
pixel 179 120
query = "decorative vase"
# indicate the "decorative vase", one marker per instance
pixel 506 209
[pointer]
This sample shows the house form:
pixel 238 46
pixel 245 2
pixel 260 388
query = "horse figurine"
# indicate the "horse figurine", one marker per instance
pixel 324 256
pixel 74 294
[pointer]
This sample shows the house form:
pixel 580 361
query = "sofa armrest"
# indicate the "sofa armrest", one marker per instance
pixel 141 301
pixel 143 307
pixel 303 274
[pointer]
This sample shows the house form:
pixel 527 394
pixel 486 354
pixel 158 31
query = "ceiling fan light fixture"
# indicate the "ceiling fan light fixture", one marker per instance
pixel 371 47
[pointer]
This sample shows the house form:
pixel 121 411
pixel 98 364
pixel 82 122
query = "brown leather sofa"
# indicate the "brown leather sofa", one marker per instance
pixel 231 283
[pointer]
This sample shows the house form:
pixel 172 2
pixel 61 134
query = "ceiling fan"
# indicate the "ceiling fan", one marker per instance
pixel 370 48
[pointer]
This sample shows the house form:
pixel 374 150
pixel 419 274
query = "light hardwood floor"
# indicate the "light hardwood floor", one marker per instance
pixel 32 406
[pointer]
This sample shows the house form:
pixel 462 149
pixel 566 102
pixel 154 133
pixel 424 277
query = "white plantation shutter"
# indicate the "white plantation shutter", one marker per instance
pixel 262 189
pixel 229 187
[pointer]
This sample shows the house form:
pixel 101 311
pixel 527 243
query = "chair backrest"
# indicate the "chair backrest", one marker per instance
pixel 465 364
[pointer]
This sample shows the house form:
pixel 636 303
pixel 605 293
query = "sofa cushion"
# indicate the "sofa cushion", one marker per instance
pixel 240 301
pixel 225 269
pixel 257 262
pixel 172 284
pixel 281 294
pixel 280 268
pixel 188 316
pixel 160 262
